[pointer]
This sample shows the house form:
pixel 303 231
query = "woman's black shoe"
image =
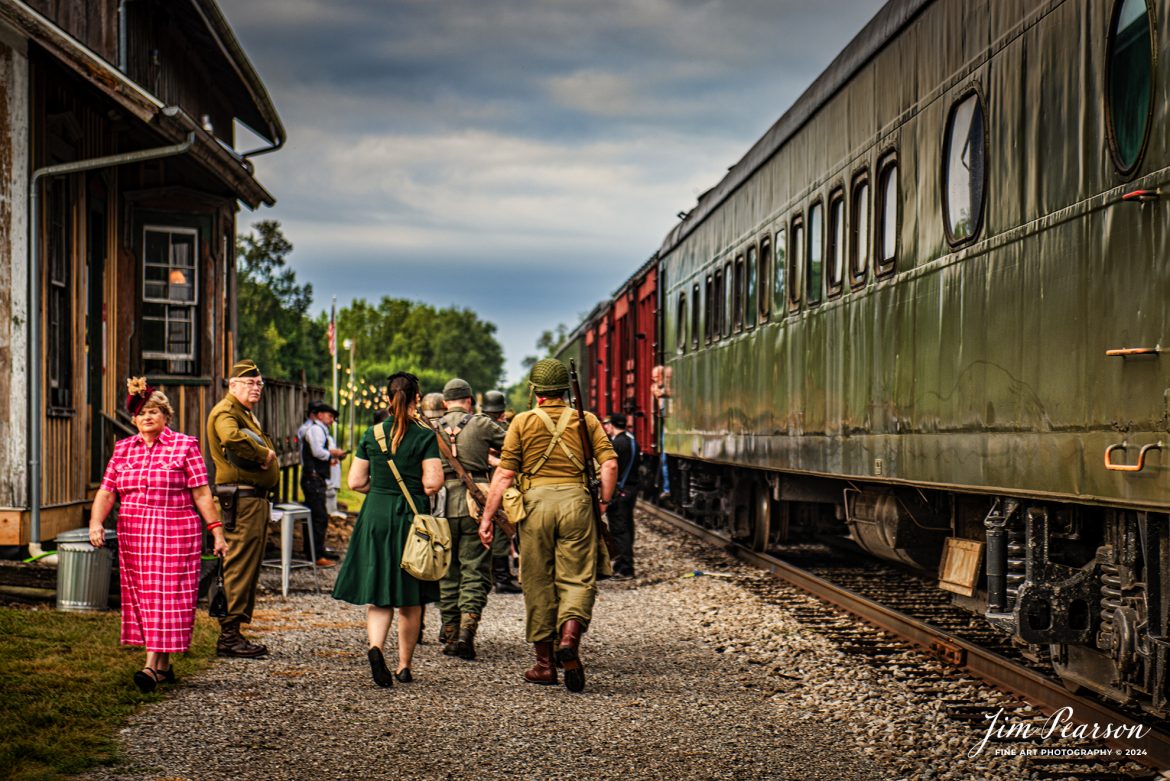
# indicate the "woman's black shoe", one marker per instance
pixel 145 681
pixel 382 676
pixel 404 675
pixel 166 676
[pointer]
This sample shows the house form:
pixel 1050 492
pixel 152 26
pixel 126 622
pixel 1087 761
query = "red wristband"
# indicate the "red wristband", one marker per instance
pixel 213 525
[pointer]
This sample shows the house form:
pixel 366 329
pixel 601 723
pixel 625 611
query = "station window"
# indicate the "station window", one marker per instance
pixel 696 313
pixel 816 253
pixel 964 156
pixel 749 294
pixel 764 306
pixel 59 339
pixel 1129 82
pixel 170 285
pixel 859 230
pixel 737 296
pixel 836 254
pixel 795 263
pixel 681 322
pixel 780 269
pixel 728 297
pixel 887 217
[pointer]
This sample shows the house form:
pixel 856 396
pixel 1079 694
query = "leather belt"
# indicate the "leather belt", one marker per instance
pixel 246 491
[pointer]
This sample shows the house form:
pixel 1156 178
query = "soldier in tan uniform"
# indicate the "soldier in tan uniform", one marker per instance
pixel 558 536
pixel 246 471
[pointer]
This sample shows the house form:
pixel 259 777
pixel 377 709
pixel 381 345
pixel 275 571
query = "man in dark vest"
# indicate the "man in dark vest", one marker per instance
pixel 621 510
pixel 246 471
pixel 316 465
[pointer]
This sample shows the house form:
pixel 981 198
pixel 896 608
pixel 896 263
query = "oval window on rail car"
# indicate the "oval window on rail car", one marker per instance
pixel 680 322
pixel 795 263
pixel 717 306
pixel 836 254
pixel 780 270
pixel 1128 82
pixel 887 216
pixel 765 276
pixel 749 280
pixel 737 297
pixel 816 253
pixel 859 230
pixel 964 169
pixel 709 310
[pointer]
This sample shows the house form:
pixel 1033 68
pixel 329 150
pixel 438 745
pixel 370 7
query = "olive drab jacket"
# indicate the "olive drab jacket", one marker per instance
pixel 238 456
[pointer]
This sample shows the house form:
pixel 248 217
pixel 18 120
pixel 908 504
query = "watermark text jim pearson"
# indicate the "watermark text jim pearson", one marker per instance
pixel 1059 724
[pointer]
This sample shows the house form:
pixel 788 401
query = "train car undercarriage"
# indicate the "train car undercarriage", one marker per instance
pixel 1083 587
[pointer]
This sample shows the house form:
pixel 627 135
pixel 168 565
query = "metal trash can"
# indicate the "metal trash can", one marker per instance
pixel 83 571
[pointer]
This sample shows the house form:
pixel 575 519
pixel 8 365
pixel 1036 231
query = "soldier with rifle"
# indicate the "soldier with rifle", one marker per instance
pixel 549 453
pixel 464 440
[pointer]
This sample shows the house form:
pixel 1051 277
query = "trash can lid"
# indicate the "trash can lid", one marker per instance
pixel 82 535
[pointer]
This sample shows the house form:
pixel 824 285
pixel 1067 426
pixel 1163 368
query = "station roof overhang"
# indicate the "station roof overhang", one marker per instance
pixel 169 122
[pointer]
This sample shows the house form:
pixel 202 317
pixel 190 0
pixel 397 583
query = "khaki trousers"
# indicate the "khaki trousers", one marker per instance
pixel 241 565
pixel 464 589
pixel 558 559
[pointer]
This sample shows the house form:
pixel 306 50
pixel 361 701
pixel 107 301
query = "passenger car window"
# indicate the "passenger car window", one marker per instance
pixel 728 284
pixel 780 270
pixel 1128 82
pixel 859 230
pixel 749 293
pixel 816 257
pixel 680 321
pixel 964 169
pixel 887 217
pixel 765 278
pixel 737 294
pixel 795 263
pixel 836 237
pixel 696 312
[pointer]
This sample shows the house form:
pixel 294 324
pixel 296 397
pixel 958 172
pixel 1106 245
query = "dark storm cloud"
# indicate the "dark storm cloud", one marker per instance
pixel 505 135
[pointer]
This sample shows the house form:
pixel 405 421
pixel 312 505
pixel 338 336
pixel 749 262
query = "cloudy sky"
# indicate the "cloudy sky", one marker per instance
pixel 516 157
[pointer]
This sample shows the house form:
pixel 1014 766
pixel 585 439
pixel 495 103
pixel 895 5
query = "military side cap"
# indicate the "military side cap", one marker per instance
pixel 245 368
pixel 549 375
pixel 493 401
pixel 456 389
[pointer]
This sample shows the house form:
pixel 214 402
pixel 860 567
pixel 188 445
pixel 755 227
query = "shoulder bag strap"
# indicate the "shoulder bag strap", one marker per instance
pixel 380 435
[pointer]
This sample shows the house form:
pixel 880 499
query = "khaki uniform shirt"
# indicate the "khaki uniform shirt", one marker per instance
pixel 225 432
pixel 528 438
pixel 471 448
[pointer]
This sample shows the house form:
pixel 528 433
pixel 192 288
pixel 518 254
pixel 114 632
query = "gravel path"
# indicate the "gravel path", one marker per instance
pixel 688 678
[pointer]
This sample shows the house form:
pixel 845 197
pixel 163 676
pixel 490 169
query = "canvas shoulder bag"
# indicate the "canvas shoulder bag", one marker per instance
pixel 427 553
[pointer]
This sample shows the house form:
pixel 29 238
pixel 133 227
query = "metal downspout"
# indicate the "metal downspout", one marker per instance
pixel 34 315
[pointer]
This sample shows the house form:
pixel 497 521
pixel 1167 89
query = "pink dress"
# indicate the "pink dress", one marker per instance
pixel 159 537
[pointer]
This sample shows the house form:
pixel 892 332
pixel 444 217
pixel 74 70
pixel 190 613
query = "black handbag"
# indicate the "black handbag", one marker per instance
pixel 217 600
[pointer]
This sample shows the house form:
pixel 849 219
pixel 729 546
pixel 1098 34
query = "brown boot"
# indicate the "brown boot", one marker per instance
pixel 542 672
pixel 447 636
pixel 232 643
pixel 568 654
pixel 465 645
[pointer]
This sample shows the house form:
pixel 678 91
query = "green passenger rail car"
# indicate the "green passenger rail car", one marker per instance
pixel 926 311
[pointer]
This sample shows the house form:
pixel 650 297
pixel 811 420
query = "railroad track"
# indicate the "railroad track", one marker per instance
pixel 950 637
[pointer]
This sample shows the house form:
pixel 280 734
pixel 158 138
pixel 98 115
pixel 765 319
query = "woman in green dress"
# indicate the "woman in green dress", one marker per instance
pixel 372 573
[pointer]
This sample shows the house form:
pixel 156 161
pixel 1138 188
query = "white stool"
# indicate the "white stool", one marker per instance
pixel 288 515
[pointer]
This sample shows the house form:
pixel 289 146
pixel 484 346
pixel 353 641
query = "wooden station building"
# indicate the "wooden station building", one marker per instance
pixel 120 181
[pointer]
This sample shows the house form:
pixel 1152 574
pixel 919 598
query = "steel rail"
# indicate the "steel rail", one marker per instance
pixel 1046 694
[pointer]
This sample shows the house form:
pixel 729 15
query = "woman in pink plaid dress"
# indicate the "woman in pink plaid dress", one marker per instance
pixel 161 480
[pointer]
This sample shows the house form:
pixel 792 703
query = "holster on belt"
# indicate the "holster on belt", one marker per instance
pixel 228 496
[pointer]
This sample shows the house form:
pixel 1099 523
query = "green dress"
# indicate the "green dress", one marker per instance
pixel 372 572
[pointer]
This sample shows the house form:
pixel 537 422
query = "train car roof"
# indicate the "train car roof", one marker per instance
pixel 885 26
pixel 634 278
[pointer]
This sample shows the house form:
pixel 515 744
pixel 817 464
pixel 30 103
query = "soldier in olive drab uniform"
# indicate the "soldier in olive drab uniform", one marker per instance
pixel 494 405
pixel 246 471
pixel 463 590
pixel 558 536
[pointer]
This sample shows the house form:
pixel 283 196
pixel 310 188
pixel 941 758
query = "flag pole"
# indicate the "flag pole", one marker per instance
pixel 333 356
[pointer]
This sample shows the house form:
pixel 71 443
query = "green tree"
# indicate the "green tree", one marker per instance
pixel 275 328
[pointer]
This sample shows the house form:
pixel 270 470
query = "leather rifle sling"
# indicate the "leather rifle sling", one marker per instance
pixel 468 483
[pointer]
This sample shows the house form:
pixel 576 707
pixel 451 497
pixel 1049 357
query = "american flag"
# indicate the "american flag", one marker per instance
pixel 332 338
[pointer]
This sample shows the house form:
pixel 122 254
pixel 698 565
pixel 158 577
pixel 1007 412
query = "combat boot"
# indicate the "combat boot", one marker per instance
pixel 503 576
pixel 543 672
pixel 232 643
pixel 569 655
pixel 465 645
pixel 448 636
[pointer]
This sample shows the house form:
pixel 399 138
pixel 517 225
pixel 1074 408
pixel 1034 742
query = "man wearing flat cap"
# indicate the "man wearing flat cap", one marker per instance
pixel 620 512
pixel 463 590
pixel 246 471
pixel 317 459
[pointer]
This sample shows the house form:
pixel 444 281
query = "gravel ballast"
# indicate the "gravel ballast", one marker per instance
pixel 689 677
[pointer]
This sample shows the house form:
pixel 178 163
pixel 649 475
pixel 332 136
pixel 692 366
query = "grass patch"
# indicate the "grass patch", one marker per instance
pixel 67 688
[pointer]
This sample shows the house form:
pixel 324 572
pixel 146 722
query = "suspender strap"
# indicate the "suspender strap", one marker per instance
pixel 380 435
pixel 557 432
